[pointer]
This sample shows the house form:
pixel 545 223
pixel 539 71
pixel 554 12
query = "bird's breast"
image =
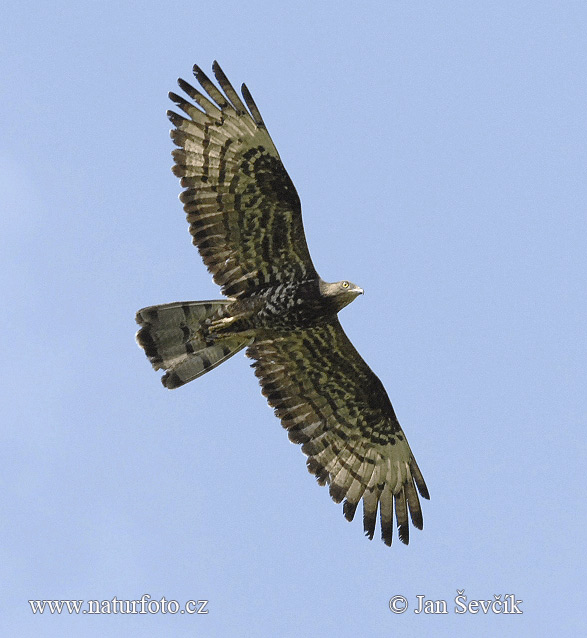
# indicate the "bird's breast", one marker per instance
pixel 293 306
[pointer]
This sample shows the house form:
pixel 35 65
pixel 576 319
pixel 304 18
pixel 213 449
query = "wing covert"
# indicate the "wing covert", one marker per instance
pixel 333 404
pixel 242 207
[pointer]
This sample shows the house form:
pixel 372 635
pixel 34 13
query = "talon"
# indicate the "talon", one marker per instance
pixel 221 324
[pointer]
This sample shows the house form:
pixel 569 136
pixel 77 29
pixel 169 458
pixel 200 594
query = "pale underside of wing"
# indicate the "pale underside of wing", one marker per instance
pixel 332 403
pixel 242 207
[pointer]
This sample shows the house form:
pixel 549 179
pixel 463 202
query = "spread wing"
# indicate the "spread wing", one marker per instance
pixel 332 403
pixel 243 209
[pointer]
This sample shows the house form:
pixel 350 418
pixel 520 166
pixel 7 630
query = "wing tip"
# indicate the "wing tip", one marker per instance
pixel 387 533
pixel 349 510
pixel 318 470
pixel 198 72
pixel 175 118
pixel 403 532
pixel 419 479
pixel 369 520
pixel 337 493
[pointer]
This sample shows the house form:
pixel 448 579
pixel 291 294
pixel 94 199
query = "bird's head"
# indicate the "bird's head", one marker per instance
pixel 341 292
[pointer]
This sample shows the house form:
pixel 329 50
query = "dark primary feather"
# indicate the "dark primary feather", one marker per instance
pixel 243 209
pixel 332 403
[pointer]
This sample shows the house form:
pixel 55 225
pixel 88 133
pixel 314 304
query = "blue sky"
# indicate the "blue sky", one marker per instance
pixel 440 153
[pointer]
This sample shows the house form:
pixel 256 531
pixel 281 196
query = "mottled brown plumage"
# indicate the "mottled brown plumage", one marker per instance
pixel 245 219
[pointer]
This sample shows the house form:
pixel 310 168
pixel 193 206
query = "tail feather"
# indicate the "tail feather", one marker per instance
pixel 175 339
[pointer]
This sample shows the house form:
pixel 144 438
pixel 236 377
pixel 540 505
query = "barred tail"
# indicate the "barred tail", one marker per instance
pixel 173 337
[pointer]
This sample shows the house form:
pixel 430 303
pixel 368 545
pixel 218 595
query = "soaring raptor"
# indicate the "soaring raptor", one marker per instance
pixel 245 218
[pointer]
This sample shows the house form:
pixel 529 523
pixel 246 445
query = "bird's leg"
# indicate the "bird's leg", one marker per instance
pixel 212 329
pixel 237 315
pixel 218 325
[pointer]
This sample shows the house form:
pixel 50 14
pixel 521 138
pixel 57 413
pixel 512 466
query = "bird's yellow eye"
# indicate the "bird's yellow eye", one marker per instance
pixel 345 284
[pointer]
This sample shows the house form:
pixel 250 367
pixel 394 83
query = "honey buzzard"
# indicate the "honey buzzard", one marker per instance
pixel 245 219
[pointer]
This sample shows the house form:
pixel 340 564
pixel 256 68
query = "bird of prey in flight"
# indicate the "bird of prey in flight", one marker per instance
pixel 245 218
